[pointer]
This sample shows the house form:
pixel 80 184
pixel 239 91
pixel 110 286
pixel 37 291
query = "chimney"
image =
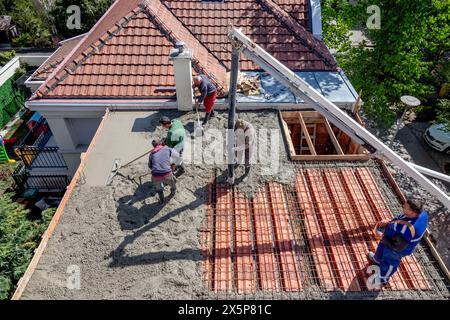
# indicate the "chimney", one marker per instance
pixel 181 57
pixel 316 18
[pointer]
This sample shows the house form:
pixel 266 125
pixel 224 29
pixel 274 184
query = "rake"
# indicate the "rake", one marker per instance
pixel 117 166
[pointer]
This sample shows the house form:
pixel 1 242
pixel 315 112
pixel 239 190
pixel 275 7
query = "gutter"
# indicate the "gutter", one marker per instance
pixel 50 105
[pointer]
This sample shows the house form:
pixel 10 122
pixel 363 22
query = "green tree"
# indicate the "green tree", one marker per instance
pixel 6 56
pixel 91 11
pixel 409 56
pixel 34 32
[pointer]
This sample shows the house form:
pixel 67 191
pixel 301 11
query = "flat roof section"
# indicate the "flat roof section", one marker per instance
pixel 116 242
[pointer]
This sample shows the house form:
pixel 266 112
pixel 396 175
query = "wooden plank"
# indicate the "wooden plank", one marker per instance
pixel 333 137
pixel 331 157
pixel 289 266
pixel 287 115
pixel 357 105
pixel 288 138
pixel 223 278
pixel 244 263
pixel 363 209
pixel 319 254
pixel 266 260
pixel 206 236
pixel 341 257
pixel 306 134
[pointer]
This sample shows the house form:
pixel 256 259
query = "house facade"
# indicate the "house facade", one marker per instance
pixel 125 62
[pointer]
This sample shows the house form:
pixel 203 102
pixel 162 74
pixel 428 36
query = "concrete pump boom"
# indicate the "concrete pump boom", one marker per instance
pixel 333 113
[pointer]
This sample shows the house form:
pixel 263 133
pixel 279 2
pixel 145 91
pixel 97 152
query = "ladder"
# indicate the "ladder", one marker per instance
pixel 329 110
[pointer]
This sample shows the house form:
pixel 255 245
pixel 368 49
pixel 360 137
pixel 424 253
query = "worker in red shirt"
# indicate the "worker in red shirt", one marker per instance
pixel 208 95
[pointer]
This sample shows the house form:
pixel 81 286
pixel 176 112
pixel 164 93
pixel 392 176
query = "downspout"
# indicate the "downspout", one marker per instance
pixel 232 111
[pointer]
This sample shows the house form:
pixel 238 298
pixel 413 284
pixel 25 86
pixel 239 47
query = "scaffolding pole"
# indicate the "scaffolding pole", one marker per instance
pixel 232 111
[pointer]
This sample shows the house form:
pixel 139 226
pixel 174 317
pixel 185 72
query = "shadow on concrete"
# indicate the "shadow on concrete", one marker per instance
pixel 131 218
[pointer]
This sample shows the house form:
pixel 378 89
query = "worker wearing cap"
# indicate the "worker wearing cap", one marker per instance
pixel 245 136
pixel 400 237
pixel 208 95
pixel 175 139
pixel 160 164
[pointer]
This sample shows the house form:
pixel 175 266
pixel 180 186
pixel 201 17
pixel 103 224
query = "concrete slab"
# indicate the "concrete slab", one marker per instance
pixel 123 137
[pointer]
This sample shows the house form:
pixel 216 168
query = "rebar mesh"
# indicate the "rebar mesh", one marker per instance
pixel 309 240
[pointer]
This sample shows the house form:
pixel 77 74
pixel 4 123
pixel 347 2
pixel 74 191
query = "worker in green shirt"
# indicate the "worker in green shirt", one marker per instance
pixel 175 139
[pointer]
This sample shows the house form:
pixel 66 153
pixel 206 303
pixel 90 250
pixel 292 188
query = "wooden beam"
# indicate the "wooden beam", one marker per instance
pixel 287 115
pixel 307 121
pixel 287 136
pixel 336 144
pixel 306 134
pixel 357 105
pixel 332 157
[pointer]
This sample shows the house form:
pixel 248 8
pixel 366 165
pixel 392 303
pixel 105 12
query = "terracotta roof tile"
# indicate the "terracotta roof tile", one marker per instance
pixel 127 53
pixel 64 48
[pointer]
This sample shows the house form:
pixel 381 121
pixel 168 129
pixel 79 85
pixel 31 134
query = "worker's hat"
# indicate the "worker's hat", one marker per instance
pixel 164 119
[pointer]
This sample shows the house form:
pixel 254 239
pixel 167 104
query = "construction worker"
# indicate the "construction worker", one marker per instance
pixel 245 136
pixel 400 237
pixel 208 95
pixel 160 164
pixel 175 139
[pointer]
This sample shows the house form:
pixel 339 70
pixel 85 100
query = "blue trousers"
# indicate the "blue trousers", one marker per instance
pixel 389 261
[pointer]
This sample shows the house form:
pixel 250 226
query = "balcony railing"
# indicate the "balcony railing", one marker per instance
pixel 25 180
pixel 34 153
pixel 40 157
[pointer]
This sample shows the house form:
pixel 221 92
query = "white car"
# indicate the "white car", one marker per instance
pixel 438 138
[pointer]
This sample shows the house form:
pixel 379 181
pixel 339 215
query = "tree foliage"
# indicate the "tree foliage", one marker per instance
pixel 33 27
pixel 91 11
pixel 410 56
pixel 6 56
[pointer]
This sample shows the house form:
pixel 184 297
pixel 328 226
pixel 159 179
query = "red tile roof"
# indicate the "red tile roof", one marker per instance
pixel 126 54
pixel 64 48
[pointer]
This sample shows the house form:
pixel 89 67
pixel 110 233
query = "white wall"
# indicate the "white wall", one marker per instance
pixel 8 70
pixel 84 129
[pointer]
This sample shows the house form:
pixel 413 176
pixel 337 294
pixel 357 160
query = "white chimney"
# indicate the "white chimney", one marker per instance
pixel 182 65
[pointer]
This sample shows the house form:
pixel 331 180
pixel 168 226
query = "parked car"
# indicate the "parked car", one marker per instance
pixel 438 138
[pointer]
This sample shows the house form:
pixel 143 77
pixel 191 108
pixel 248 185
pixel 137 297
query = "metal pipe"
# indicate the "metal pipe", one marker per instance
pixel 232 112
pixel 431 173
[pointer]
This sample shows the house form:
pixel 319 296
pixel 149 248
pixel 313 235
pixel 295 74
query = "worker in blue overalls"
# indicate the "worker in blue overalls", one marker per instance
pixel 400 237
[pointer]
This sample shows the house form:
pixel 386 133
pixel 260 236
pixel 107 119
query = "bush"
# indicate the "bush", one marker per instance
pixel 6 56
pixel 19 236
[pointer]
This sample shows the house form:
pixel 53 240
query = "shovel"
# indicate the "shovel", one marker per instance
pixel 198 128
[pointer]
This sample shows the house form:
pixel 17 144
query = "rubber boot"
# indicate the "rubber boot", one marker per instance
pixel 247 174
pixel 206 119
pixel 161 197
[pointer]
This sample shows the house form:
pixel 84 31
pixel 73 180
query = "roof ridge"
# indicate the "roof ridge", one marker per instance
pixel 150 7
pixel 299 31
pixel 192 33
